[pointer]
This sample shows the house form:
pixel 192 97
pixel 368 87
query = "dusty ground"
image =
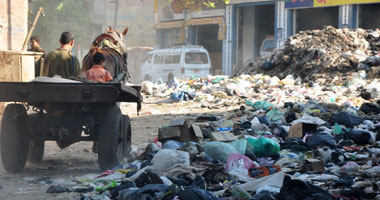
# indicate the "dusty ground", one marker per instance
pixel 59 165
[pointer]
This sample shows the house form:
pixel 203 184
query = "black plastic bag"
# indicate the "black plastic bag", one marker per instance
pixel 370 108
pixel 320 139
pixel 360 137
pixel 179 181
pixel 196 193
pixel 347 119
pixel 295 145
pixel 264 195
pixel 148 192
pixel 146 178
pixel 124 185
pixel 300 190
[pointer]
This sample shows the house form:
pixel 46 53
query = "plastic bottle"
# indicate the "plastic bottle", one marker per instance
pixel 224 129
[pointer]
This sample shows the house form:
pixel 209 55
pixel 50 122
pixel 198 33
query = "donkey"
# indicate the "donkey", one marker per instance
pixel 112 45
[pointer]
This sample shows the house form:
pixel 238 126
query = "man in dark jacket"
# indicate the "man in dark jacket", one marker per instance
pixel 60 61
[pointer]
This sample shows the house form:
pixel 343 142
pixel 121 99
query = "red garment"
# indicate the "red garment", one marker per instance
pixel 98 73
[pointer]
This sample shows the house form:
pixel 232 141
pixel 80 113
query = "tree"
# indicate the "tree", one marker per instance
pixel 60 16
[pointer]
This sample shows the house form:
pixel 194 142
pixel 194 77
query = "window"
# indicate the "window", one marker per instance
pixel 172 59
pixel 176 58
pixel 148 58
pixel 196 58
pixel 268 45
pixel 158 59
pixel 168 59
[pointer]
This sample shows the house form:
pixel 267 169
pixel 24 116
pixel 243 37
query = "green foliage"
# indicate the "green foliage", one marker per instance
pixel 60 16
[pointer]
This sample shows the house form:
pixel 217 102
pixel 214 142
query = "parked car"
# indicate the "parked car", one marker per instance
pixel 267 47
pixel 178 61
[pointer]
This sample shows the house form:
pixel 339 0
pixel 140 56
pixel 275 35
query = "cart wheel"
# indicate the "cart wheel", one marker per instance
pixel 14 144
pixel 110 138
pixel 36 151
pixel 127 139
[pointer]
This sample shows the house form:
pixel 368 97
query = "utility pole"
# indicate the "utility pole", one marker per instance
pixel 116 13
pixel 105 17
pixel 186 40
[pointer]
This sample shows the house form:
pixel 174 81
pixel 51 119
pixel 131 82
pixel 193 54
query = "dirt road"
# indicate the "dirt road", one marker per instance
pixel 59 165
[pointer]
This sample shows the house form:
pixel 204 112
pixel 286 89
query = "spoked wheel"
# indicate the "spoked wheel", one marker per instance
pixel 112 139
pixel 36 151
pixel 13 138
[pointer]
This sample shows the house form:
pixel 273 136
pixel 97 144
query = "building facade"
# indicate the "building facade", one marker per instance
pixel 250 22
pixel 192 24
pixel 13 24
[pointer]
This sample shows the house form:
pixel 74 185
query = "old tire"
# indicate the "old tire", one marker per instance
pixel 13 138
pixel 111 135
pixel 36 151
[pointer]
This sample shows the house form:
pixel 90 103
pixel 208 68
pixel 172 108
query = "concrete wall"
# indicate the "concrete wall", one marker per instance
pixel 13 23
pixel 138 17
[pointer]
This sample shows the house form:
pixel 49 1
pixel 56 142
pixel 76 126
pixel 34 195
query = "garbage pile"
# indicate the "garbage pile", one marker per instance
pixel 286 140
pixel 315 53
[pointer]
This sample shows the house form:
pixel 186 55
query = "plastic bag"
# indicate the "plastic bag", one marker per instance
pixel 167 158
pixel 275 115
pixel 152 191
pixel 347 119
pixel 196 193
pixel 370 108
pixel 172 144
pixel 309 120
pixel 146 178
pixel 182 95
pixel 147 87
pixel 240 145
pixel 361 137
pixel 238 165
pixel 264 195
pixel 236 160
pixel 219 150
pixel 297 189
pixel 262 105
pixel 320 139
pixel 263 146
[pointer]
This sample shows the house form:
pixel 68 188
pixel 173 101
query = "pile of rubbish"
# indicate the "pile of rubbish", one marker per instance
pixel 216 92
pixel 286 140
pixel 310 54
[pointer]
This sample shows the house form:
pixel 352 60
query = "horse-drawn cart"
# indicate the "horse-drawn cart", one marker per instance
pixel 65 112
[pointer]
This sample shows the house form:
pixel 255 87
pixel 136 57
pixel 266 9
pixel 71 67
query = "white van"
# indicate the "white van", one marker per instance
pixel 178 61
pixel 267 47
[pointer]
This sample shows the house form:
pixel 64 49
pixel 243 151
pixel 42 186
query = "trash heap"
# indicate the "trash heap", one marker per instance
pixel 285 140
pixel 315 53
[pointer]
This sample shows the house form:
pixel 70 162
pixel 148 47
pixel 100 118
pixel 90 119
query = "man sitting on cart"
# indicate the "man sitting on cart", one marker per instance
pixel 60 61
